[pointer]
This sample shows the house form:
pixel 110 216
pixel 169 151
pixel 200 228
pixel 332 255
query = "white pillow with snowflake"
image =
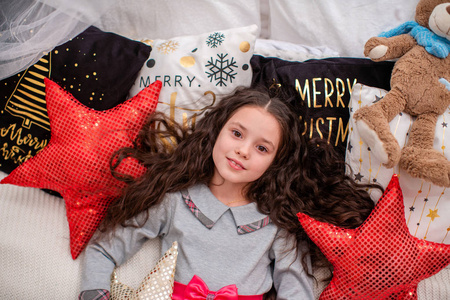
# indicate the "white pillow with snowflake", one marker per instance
pixel 195 69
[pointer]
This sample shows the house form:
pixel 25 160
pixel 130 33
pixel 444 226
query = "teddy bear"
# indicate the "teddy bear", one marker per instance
pixel 419 86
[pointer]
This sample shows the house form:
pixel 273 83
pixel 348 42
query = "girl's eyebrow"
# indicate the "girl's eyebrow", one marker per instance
pixel 236 123
pixel 268 142
pixel 243 128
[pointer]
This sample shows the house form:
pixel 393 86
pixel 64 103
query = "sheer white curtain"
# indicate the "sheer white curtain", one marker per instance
pixel 30 28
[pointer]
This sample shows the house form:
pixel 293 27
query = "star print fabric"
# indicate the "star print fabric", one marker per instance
pixel 75 163
pixel 380 259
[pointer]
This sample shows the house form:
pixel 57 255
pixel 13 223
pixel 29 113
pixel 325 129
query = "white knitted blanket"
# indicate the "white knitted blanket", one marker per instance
pixel 35 256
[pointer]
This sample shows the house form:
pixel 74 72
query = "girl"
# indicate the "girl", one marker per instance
pixel 228 191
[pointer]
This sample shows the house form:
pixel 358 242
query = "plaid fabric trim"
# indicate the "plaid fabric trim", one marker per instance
pixel 94 295
pixel 253 226
pixel 196 211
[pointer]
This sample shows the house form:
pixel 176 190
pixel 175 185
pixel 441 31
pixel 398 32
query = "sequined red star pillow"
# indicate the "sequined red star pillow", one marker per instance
pixel 380 259
pixel 75 163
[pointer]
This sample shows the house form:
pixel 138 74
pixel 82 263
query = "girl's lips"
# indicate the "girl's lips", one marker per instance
pixel 235 164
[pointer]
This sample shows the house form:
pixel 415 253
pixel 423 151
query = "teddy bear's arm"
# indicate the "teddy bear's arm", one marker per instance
pixel 381 48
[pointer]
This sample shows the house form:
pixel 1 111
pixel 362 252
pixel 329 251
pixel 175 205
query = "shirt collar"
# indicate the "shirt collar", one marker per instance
pixel 208 209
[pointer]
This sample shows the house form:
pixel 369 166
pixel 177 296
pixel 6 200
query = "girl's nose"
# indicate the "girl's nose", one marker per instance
pixel 242 151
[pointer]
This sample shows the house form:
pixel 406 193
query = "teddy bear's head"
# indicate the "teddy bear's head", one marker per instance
pixel 435 15
pixel 420 86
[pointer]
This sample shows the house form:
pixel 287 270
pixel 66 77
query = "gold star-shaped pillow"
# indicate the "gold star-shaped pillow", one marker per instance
pixel 158 284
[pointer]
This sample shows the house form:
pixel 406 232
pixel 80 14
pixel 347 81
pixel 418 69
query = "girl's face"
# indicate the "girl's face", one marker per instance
pixel 246 146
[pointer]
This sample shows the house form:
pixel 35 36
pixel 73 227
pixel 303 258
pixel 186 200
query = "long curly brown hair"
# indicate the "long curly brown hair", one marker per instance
pixel 305 176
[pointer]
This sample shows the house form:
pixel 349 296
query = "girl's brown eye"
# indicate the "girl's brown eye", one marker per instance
pixel 262 149
pixel 236 133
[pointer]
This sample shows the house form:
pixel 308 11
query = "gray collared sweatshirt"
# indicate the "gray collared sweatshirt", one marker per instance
pixel 223 245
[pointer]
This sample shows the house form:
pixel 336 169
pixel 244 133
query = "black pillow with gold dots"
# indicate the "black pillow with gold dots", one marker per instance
pixel 97 67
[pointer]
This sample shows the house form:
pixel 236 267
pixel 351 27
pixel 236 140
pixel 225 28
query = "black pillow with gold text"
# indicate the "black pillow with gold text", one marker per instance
pixel 320 90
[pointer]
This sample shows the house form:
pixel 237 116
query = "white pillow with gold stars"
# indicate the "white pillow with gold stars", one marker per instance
pixel 195 69
pixel 157 285
pixel 427 206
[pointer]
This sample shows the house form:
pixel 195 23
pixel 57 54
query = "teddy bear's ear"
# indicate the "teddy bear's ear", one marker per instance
pixel 424 9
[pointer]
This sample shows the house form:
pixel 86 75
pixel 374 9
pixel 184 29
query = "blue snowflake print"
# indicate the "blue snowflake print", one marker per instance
pixel 215 39
pixel 221 69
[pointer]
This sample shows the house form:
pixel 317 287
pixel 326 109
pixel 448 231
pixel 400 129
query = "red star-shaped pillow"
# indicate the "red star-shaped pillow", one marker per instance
pixel 380 259
pixel 75 163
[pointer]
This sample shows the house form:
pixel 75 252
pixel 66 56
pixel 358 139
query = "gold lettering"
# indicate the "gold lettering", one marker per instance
pixel 9 153
pixel 316 92
pixel 305 125
pixel 173 98
pixel 341 131
pixel 330 127
pixel 16 136
pixel 13 154
pixel 328 84
pixel 185 120
pixel 169 142
pixel 312 94
pixel 213 101
pixel 318 127
pixel 314 127
pixel 23 159
pixel 341 93
pixel 305 93
pixel 350 87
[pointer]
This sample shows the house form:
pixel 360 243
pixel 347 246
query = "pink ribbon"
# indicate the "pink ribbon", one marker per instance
pixel 198 290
